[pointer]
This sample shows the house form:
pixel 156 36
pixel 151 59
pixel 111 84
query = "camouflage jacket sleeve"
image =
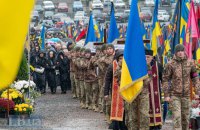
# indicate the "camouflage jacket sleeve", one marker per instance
pixel 167 75
pixel 101 64
pixel 194 77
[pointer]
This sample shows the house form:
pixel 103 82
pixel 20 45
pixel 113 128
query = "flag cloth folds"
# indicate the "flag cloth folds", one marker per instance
pixel 156 30
pixel 191 31
pixel 90 33
pixel 134 67
pixel 16 14
pixel 42 35
pixel 113 32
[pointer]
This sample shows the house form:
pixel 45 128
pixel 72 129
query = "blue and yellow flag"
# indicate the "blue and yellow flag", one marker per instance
pixel 134 67
pixel 15 15
pixel 42 35
pixel 156 31
pixel 90 32
pixel 182 35
pixel 113 32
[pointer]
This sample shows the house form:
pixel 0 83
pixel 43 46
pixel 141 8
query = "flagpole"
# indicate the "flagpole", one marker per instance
pixel 29 74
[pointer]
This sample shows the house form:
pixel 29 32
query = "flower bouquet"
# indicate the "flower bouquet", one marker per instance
pixel 23 85
pixel 4 106
pixel 23 109
pixel 14 95
pixel 195 114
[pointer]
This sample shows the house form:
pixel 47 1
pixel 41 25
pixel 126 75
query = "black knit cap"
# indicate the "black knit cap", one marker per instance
pixel 179 47
pixel 148 52
pixel 118 54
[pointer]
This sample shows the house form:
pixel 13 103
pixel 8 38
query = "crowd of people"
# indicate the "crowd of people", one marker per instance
pixel 91 76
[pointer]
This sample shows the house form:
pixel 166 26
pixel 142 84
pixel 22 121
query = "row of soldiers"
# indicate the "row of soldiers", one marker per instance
pixel 87 71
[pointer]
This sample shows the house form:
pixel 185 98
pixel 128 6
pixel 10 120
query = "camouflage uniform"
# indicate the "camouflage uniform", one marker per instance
pixel 72 71
pixel 90 84
pixel 76 75
pixel 80 66
pixel 101 75
pixel 95 90
pixel 138 111
pixel 179 72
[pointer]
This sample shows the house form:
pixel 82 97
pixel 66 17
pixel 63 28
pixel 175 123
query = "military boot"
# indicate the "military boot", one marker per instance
pixel 90 107
pixel 96 109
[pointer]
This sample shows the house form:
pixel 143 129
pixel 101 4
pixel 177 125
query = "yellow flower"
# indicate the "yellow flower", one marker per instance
pixel 15 109
pixel 20 109
pixel 25 105
pixel 31 107
pixel 24 109
pixel 17 105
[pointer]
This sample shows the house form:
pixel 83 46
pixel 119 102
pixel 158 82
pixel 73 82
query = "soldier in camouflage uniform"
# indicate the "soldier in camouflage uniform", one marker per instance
pixel 107 61
pixel 71 57
pixel 80 66
pixel 101 75
pixel 179 71
pixel 95 91
pixel 90 79
pixel 137 113
pixel 76 73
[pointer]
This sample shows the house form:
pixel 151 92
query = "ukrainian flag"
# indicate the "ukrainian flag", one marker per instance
pixel 134 67
pixel 156 30
pixel 90 33
pixel 14 30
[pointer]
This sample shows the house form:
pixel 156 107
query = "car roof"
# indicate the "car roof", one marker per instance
pixel 47 2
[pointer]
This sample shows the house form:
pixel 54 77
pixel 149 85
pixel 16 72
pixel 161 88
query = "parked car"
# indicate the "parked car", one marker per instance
pixel 106 3
pixel 48 23
pixel 57 17
pixel 118 17
pixel 79 15
pixel 35 16
pixel 77 6
pixel 98 16
pixel 163 16
pixel 145 16
pixel 62 7
pixel 149 2
pixel 125 16
pixel 48 5
pixel 48 15
pixel 97 4
pixel 39 8
pixel 119 4
pixel 165 3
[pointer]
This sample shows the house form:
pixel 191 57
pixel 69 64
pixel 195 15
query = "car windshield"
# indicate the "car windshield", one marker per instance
pixel 62 4
pixel 77 3
pixel 38 7
pixel 48 4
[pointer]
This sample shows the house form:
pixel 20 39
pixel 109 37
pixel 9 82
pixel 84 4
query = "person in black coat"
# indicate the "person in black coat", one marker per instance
pixel 40 72
pixel 50 71
pixel 63 64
